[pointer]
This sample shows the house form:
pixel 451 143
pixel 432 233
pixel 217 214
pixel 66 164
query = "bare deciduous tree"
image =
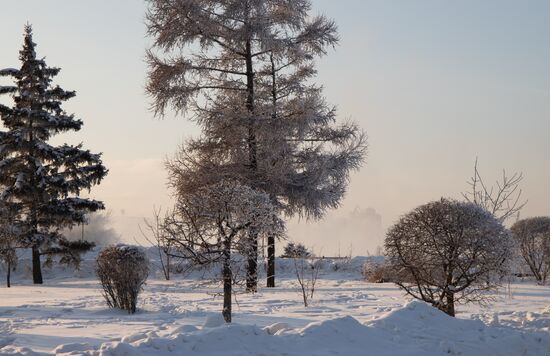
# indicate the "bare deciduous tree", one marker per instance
pixel 160 238
pixel 503 200
pixel 452 252
pixel 306 274
pixel 533 239
pixel 210 227
pixel 10 240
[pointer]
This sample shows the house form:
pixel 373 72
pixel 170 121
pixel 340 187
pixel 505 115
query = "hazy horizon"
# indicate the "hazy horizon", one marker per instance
pixel 435 84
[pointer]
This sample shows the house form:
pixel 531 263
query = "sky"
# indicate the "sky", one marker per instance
pixel 434 84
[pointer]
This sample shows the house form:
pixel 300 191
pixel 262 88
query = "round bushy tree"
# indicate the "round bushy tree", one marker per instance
pixel 450 252
pixel 533 240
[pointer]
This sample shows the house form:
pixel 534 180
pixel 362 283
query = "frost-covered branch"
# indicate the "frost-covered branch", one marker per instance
pixel 504 200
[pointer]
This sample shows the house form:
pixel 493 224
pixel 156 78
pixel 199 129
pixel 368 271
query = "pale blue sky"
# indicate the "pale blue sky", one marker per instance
pixel 434 84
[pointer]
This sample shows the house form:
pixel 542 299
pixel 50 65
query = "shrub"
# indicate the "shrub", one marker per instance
pixel 376 272
pixel 306 275
pixel 122 271
pixel 384 272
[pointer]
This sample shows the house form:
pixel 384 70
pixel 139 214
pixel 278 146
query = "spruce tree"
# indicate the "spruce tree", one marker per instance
pixel 40 181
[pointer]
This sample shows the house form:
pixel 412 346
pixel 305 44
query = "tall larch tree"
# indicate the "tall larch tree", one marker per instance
pixel 313 154
pixel 42 182
pixel 213 59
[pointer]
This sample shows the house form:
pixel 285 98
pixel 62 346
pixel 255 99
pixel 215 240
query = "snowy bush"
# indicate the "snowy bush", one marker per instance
pixel 533 240
pixel 341 263
pixel 122 271
pixel 384 272
pixel 376 272
pixel 452 251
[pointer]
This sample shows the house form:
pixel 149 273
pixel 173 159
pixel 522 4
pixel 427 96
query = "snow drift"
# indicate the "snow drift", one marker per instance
pixel 415 329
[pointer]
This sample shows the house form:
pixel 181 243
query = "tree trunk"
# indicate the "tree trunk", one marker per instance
pixel 271 238
pixel 227 280
pixel 36 267
pixel 8 276
pixel 450 304
pixel 167 267
pixel 252 268
pixel 533 267
pixel 270 261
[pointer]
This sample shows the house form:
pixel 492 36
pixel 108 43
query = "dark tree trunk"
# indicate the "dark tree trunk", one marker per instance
pixel 227 280
pixel 450 309
pixel 8 275
pixel 252 268
pixel 271 238
pixel 167 267
pixel 270 261
pixel 536 271
pixel 36 267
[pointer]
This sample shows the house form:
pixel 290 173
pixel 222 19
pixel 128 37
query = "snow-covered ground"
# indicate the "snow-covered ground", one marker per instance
pixel 67 315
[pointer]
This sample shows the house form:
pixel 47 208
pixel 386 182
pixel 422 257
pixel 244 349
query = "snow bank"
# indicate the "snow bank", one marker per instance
pixel 435 332
pixel 180 318
pixel 415 329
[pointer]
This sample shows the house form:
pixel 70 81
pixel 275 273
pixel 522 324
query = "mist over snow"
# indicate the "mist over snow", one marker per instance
pixel 362 229
pixel 359 233
pixel 97 229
